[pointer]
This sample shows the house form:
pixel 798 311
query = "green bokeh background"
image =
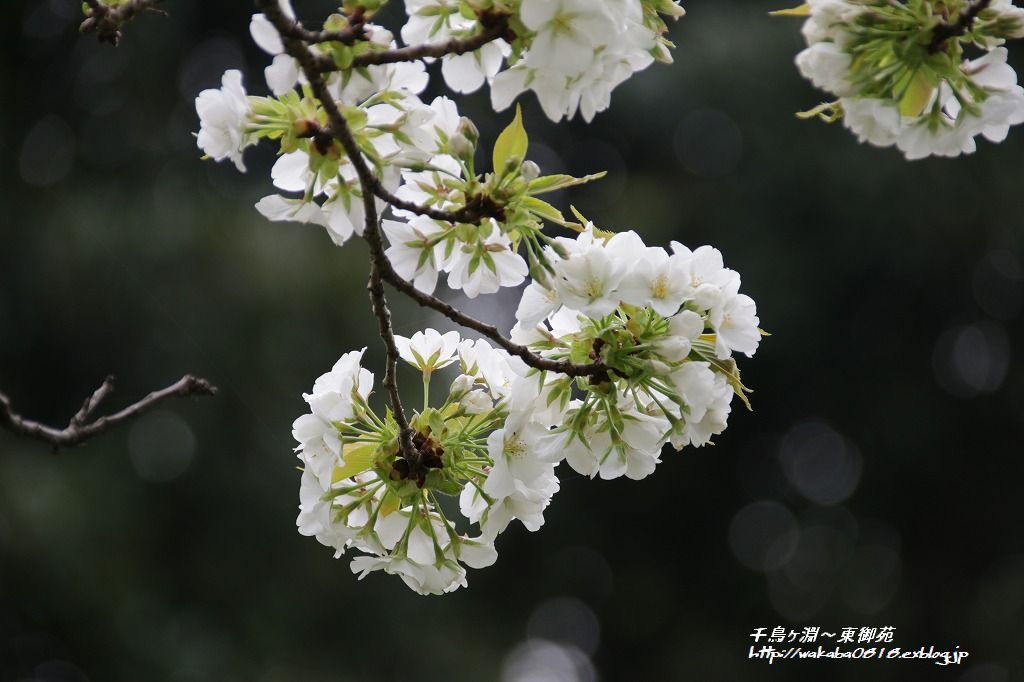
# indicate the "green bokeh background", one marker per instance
pixel 167 550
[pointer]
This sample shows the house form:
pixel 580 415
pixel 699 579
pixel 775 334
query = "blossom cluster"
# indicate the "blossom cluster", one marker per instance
pixel 621 349
pixel 423 153
pixel 900 83
pixel 662 327
pixel 571 53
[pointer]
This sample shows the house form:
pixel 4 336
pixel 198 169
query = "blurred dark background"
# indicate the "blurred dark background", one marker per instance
pixel 876 484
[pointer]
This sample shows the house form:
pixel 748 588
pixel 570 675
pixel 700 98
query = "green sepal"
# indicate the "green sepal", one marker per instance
pixel 803 10
pixel 356 458
pixel 552 183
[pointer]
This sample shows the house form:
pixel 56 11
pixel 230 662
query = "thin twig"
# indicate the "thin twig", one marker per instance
pixel 596 369
pixel 80 429
pixel 494 27
pixel 355 31
pixel 107 21
pixel 964 22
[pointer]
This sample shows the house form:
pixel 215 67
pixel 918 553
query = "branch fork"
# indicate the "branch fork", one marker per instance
pixel 381 269
pixel 83 427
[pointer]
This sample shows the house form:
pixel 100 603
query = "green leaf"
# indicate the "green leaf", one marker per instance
pixel 543 209
pixel 512 143
pixel 552 183
pixel 917 94
pixel 356 458
pixel 390 503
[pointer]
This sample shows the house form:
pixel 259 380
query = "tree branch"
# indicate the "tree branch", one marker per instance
pixel 80 429
pixel 596 369
pixel 356 31
pixel 107 21
pixel 964 22
pixel 340 130
pixel 371 185
pixel 494 26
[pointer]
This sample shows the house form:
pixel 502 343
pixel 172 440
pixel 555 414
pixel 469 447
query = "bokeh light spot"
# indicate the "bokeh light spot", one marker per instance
pixel 763 535
pixel 972 360
pixel 565 620
pixel 820 463
pixel 161 446
pixel 537 660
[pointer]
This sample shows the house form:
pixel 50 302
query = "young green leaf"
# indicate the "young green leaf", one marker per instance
pixel 511 143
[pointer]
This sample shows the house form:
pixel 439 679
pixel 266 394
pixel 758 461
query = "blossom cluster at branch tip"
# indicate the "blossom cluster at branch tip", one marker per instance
pixel 902 75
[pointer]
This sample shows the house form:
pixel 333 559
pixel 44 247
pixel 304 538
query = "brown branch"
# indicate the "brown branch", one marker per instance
pixel 356 31
pixel 340 130
pixel 381 267
pixel 596 369
pixel 81 429
pixel 494 27
pixel 379 301
pixel 964 22
pixel 107 21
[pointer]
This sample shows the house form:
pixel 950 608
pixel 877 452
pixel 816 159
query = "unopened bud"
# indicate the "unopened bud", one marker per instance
pixel 461 147
pixel 687 323
pixel 462 385
pixel 512 164
pixel 530 171
pixel 707 296
pixel 674 348
pixel 657 367
pixel 467 128
pixel 476 402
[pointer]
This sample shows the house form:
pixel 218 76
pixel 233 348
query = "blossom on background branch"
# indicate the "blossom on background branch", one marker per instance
pixel 83 426
pixel 106 18
pixel 901 76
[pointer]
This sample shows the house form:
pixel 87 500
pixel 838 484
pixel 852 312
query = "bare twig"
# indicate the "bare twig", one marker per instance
pixel 107 21
pixel 964 22
pixel 80 429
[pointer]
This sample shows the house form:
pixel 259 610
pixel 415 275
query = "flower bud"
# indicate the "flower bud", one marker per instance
pixel 707 296
pixel 529 171
pixel 687 323
pixel 657 367
pixel 673 348
pixel 476 402
pixel 512 164
pixel 460 146
pixel 468 130
pixel 462 385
